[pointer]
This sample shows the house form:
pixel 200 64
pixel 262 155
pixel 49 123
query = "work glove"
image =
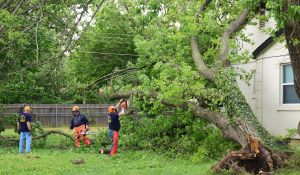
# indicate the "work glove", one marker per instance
pixel 124 104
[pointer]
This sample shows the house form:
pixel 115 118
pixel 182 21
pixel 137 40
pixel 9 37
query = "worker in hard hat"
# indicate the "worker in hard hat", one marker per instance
pixel 80 125
pixel 114 127
pixel 24 129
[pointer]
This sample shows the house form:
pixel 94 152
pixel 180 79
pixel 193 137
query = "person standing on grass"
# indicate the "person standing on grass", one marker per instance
pixel 24 129
pixel 80 125
pixel 114 126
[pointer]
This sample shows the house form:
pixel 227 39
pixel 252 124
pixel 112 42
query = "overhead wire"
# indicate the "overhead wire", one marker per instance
pixel 107 53
pixel 262 58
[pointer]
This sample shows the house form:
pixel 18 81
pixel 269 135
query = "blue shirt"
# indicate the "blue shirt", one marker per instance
pixel 78 120
pixel 23 119
pixel 113 121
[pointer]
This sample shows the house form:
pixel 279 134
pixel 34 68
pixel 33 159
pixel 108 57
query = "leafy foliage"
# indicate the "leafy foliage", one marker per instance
pixel 177 134
pixel 37 129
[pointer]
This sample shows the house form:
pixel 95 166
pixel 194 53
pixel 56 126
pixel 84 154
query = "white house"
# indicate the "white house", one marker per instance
pixel 271 93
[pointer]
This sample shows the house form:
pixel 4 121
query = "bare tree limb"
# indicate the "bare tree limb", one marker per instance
pixel 71 34
pixel 36 32
pixel 44 135
pixel 108 76
pixel 198 60
pixel 200 65
pixel 39 18
pixel 17 7
pixel 233 28
pixel 202 9
pixel 74 28
pixel 6 4
pixel 93 16
pixel 13 13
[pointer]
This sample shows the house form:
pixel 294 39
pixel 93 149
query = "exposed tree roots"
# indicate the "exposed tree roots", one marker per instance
pixel 253 158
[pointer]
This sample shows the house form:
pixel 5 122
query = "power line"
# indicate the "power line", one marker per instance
pixel 111 41
pixel 99 36
pixel 100 53
pixel 106 53
pixel 262 58
pixel 274 56
pixel 106 33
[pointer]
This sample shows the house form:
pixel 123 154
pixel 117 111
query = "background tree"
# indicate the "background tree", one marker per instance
pixel 107 46
pixel 34 37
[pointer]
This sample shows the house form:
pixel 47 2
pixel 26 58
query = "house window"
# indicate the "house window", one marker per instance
pixel 289 92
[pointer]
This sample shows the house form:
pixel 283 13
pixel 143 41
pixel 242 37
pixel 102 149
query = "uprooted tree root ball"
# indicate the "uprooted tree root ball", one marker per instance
pixel 254 158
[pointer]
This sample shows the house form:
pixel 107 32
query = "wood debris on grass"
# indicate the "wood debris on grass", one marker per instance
pixel 78 161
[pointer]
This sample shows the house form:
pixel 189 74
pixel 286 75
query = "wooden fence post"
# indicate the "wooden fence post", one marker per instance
pixel 56 115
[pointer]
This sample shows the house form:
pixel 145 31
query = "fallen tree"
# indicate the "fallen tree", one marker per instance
pixel 259 153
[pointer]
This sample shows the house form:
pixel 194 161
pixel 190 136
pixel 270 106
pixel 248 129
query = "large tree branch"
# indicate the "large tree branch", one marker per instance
pixel 230 131
pixel 120 95
pixel 233 28
pixel 200 65
pixel 198 60
pixel 222 122
pixel 118 72
pixel 44 135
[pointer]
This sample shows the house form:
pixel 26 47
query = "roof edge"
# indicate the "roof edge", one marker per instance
pixel 266 44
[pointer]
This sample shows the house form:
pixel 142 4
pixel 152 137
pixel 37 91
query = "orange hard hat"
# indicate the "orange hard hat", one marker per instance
pixel 75 108
pixel 111 109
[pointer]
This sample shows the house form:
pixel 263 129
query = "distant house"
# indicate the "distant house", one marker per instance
pixel 271 93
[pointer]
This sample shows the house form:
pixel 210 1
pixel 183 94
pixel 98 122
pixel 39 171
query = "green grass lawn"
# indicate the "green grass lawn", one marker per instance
pixel 58 161
pixel 53 160
pixel 44 162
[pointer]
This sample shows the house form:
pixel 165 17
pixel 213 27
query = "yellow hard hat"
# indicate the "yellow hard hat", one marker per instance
pixel 27 108
pixel 75 108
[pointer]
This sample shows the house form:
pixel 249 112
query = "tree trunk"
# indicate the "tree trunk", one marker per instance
pixel 239 111
pixel 292 36
pixel 259 153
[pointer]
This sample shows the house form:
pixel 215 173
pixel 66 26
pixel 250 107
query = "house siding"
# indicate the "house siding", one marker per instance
pixel 264 94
